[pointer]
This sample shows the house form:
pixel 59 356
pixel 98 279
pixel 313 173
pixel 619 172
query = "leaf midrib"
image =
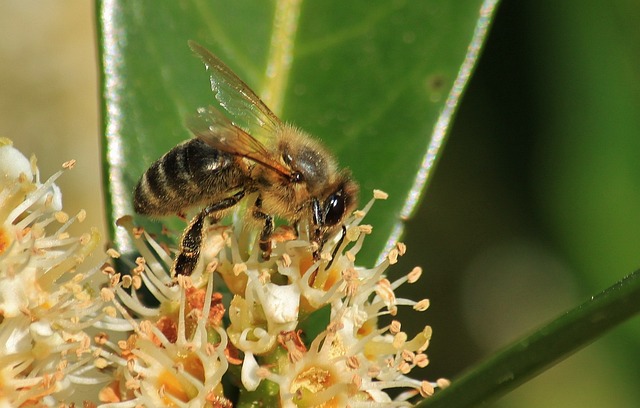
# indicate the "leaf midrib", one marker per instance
pixel 280 55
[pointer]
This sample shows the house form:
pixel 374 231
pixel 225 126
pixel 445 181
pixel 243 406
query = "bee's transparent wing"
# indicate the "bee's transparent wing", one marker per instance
pixel 215 129
pixel 243 105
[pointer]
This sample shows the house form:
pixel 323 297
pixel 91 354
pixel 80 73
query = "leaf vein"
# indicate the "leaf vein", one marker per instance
pixel 280 57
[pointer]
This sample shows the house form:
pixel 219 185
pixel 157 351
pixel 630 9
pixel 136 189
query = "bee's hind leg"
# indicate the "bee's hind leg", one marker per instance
pixel 267 229
pixel 191 240
pixel 190 243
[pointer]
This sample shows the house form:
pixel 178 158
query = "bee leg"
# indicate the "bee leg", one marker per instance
pixel 191 241
pixel 319 242
pixel 190 244
pixel 296 228
pixel 267 229
pixel 337 247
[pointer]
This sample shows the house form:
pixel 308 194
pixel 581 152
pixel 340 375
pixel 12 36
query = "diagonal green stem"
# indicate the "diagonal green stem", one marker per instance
pixel 549 345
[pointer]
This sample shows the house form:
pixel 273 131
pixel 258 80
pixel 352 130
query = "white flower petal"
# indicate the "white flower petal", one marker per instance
pixel 56 198
pixel 283 303
pixel 12 164
pixel 249 373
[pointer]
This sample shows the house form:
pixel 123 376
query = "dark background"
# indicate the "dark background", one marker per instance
pixel 534 204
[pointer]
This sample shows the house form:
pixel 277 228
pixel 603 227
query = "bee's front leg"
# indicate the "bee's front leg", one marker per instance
pixel 296 228
pixel 321 240
pixel 267 229
pixel 191 241
pixel 343 234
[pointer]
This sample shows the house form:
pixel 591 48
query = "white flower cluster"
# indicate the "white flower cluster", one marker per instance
pixel 45 305
pixel 290 331
pixel 258 342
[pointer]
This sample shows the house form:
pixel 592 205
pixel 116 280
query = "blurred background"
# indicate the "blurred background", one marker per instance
pixel 534 205
pixel 49 95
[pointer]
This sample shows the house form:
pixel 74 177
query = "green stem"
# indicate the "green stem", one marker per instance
pixel 549 345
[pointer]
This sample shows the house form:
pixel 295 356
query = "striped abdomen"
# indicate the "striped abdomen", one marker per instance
pixel 189 174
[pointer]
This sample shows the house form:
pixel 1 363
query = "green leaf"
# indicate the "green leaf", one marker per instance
pixel 547 346
pixel 377 82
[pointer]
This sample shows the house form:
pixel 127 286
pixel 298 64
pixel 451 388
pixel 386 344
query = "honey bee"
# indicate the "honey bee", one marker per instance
pixel 249 153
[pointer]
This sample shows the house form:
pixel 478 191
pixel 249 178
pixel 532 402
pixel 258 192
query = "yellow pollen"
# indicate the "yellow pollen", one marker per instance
pixel 421 360
pixel 359 214
pixel 385 291
pixel 443 383
pixel 107 269
pixel 100 363
pixel 114 279
pixel 353 362
pixel 380 195
pixel 408 356
pixel 127 281
pixel 61 217
pixel 101 338
pixel 353 233
pixel 338 349
pixel 5 240
pixel 110 311
pixel 422 305
pixel 169 384
pixel 310 382
pixel 404 367
pixel 426 389
pixel 395 327
pixel 393 256
pixel 414 275
pixel 294 355
pixel 137 282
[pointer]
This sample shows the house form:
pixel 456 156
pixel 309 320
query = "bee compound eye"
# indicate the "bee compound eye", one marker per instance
pixel 334 208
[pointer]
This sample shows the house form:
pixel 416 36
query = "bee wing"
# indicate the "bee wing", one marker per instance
pixel 215 129
pixel 244 106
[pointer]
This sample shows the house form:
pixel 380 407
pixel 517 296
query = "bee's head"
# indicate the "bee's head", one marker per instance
pixel 329 212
